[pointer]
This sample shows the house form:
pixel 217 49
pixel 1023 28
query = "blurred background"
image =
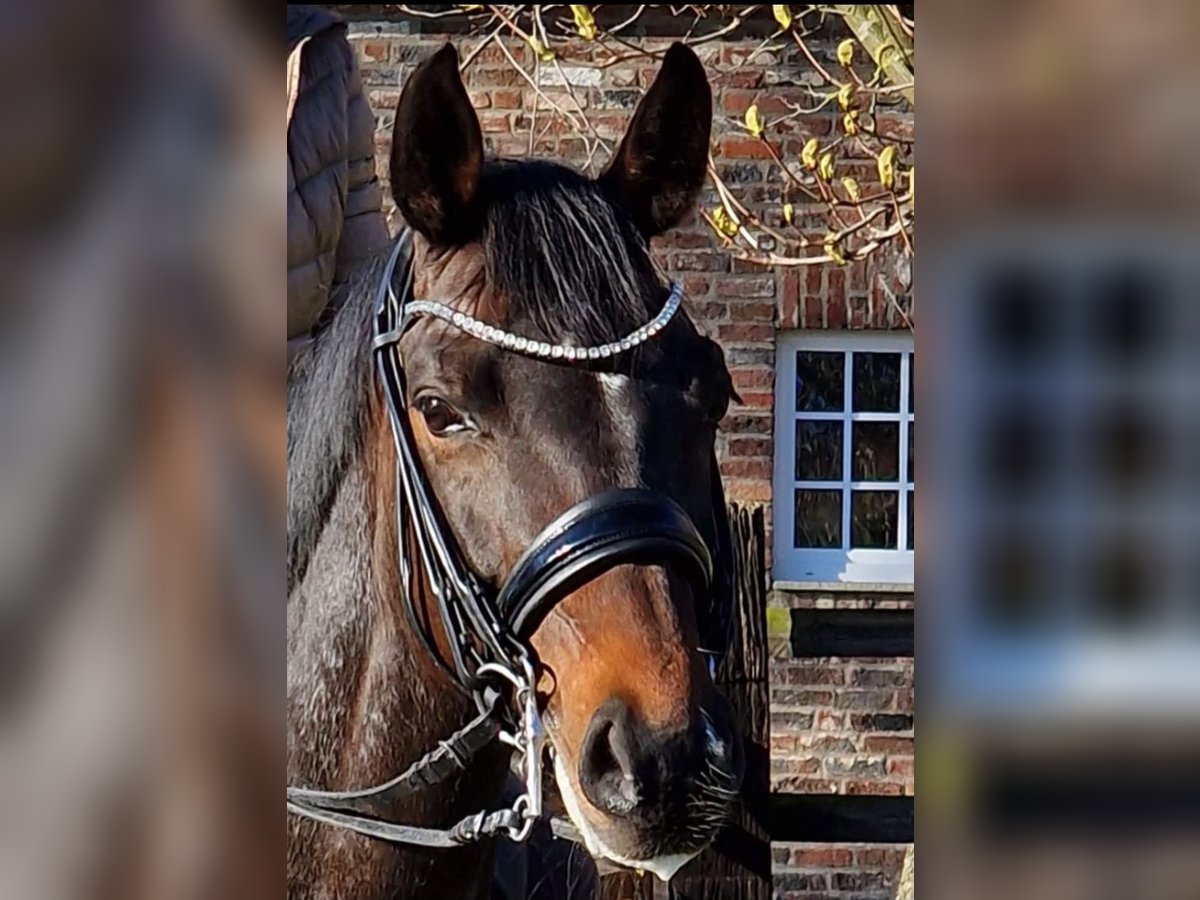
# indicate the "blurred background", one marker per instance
pixel 1059 636
pixel 142 451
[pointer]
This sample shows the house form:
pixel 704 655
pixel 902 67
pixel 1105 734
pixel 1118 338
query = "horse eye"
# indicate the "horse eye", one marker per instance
pixel 440 417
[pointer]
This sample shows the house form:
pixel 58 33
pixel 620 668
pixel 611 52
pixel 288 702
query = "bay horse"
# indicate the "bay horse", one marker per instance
pixel 504 509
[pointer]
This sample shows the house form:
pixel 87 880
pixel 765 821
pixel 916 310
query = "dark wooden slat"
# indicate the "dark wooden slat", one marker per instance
pixel 852 632
pixel 827 818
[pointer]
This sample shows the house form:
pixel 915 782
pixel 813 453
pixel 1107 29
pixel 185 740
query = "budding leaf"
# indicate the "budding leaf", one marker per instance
pixel 783 16
pixel 825 167
pixel 845 52
pixel 886 164
pixel 850 122
pixel 808 155
pixel 544 53
pixel 851 187
pixel 585 22
pixel 845 95
pixel 754 122
pixel 724 222
pixel 833 251
pixel 789 213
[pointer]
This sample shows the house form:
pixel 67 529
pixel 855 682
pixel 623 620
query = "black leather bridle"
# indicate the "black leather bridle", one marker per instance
pixel 488 630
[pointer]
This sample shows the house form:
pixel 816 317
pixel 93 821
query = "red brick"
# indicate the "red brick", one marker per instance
pixel 749 379
pixel 745 332
pixel 375 50
pixel 879 857
pixel 837 284
pixel 751 288
pixel 747 490
pixel 898 745
pixel 689 240
pixel 829 721
pixel 801 785
pixel 505 76
pixel 808 765
pixel 873 788
pixel 835 311
pixel 495 122
pixel 750 446
pixel 743 148
pixel 708 311
pixel 746 468
pixel 900 767
pixel 812 281
pixel 808 698
pixel 694 285
pixel 870 700
pixel 814 674
pixel 758 400
pixel 742 78
pixel 480 99
pixel 783 743
pixel 873 676
pixel 735 102
pixel 698 261
pixel 504 99
pixel 824 857
pixel 747 422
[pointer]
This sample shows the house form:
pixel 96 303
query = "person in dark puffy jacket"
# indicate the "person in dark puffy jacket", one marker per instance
pixel 335 215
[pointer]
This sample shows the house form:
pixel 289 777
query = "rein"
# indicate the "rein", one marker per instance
pixel 488 630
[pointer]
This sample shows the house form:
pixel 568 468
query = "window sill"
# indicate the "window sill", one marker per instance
pixel 856 587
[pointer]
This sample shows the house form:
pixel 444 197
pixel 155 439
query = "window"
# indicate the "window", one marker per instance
pixel 844 457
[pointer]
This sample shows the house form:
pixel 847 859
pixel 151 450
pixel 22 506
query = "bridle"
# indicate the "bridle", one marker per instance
pixel 488 630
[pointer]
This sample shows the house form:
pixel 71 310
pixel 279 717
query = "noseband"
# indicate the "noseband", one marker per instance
pixel 488 629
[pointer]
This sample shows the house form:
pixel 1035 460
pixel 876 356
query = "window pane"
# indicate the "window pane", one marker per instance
pixel 873 519
pixel 818 518
pixel 876 382
pixel 876 451
pixel 818 451
pixel 820 381
pixel 912 521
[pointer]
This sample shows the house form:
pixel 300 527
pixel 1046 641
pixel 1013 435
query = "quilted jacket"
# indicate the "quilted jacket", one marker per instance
pixel 334 197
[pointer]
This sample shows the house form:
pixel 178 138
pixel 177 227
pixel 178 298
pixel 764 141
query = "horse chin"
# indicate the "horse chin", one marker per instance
pixel 661 867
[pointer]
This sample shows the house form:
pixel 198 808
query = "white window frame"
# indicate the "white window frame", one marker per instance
pixel 830 566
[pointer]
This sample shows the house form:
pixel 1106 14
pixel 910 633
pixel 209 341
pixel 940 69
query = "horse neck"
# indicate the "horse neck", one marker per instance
pixel 360 685
pixel 363 704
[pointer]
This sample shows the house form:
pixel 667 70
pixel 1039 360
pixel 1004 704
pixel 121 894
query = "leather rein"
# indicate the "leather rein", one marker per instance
pixel 488 630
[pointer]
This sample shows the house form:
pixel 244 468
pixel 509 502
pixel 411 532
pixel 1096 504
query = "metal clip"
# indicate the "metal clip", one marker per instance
pixel 529 742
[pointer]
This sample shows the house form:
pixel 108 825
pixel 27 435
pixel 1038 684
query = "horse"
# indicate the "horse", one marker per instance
pixel 504 506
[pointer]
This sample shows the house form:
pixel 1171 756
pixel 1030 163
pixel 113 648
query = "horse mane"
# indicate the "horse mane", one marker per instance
pixel 568 263
pixel 328 387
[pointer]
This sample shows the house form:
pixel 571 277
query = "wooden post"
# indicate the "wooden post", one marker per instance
pixel 738 865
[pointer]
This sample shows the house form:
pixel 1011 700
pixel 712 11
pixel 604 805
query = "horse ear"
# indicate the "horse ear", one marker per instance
pixel 437 152
pixel 661 163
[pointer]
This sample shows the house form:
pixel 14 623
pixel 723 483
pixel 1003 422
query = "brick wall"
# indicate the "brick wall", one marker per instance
pixel 843 871
pixel 842 726
pixel 838 725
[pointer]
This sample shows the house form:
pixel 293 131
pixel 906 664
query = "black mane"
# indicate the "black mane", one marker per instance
pixel 569 262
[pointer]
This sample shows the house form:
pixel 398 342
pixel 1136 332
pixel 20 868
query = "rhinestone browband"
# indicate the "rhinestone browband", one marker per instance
pixel 541 349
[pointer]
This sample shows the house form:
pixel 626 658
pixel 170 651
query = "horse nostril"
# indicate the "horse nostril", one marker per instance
pixel 608 765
